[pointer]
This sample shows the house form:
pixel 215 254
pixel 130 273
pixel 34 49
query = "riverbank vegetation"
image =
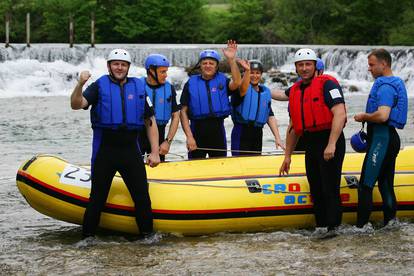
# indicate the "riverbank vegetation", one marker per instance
pixel 358 22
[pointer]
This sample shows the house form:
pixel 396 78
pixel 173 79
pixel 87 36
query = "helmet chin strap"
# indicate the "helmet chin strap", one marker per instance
pixel 155 77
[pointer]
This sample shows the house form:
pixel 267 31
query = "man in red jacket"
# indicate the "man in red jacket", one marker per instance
pixel 317 114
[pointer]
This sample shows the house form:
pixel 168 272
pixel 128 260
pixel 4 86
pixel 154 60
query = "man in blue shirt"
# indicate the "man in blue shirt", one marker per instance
pixel 163 97
pixel 386 110
pixel 205 104
pixel 119 110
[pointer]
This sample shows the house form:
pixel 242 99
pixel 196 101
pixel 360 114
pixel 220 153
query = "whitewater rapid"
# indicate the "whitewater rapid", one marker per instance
pixel 53 69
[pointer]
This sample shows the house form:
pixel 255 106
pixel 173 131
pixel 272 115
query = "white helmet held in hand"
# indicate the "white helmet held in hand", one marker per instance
pixel 119 54
pixel 305 54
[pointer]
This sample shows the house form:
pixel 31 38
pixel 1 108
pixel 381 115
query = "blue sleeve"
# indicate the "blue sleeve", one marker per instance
pixel 333 94
pixel 91 93
pixel 386 95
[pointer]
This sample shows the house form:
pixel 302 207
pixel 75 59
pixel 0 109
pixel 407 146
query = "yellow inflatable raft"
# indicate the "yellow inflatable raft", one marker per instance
pixel 242 194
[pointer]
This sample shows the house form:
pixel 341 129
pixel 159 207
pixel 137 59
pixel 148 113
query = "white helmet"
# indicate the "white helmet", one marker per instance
pixel 119 54
pixel 305 54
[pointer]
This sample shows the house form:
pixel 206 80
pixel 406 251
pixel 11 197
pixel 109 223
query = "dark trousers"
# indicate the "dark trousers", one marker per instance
pixel 144 143
pixel 128 162
pixel 209 133
pixel 324 177
pixel 245 137
pixel 377 135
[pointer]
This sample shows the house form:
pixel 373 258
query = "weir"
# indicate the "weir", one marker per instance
pixel 349 63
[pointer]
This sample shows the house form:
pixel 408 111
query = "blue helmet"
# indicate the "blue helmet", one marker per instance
pixel 156 60
pixel 209 54
pixel 320 65
pixel 359 141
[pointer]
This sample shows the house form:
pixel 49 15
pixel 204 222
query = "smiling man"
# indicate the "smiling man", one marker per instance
pixel 119 110
pixel 317 114
pixel 205 103
pixel 163 97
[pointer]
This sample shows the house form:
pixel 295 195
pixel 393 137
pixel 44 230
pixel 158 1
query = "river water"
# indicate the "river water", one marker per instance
pixel 32 243
pixel 36 118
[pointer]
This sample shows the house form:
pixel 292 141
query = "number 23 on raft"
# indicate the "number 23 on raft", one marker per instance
pixel 76 176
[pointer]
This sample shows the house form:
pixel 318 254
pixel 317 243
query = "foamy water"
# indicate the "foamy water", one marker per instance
pixel 36 118
pixel 52 69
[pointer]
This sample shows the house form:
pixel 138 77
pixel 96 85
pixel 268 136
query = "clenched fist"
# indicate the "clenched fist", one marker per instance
pixel 84 77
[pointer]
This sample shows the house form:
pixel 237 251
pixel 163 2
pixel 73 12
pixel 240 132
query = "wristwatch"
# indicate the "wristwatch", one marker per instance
pixel 169 141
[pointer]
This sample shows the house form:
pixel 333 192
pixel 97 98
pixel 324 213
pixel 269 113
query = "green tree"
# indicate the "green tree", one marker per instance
pixel 17 11
pixel 365 22
pixel 403 33
pixel 299 21
pixel 214 27
pixel 172 21
pixel 56 14
pixel 245 21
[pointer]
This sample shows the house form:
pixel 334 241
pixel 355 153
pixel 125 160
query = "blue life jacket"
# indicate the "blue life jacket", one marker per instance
pixel 118 107
pixel 398 114
pixel 208 102
pixel 161 99
pixel 255 107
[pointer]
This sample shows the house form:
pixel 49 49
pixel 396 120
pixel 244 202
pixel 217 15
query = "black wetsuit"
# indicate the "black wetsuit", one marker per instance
pixel 379 165
pixel 116 150
pixel 208 132
pixel 144 143
pixel 324 177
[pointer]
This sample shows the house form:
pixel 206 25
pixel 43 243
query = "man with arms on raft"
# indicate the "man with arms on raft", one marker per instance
pixel 318 116
pixel 163 97
pixel 205 103
pixel 386 110
pixel 119 110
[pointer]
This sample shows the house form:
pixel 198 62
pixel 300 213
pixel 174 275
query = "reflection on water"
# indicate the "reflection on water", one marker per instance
pixel 32 243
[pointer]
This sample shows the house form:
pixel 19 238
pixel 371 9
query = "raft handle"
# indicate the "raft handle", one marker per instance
pixel 253 185
pixel 352 181
pixel 28 163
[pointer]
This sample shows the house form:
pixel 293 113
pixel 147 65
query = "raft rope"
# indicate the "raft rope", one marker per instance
pixel 275 152
pixel 244 187
pixel 249 151
pixel 177 183
pixel 226 187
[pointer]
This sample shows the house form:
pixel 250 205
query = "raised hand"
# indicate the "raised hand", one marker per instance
pixel 231 50
pixel 84 77
pixel 244 63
